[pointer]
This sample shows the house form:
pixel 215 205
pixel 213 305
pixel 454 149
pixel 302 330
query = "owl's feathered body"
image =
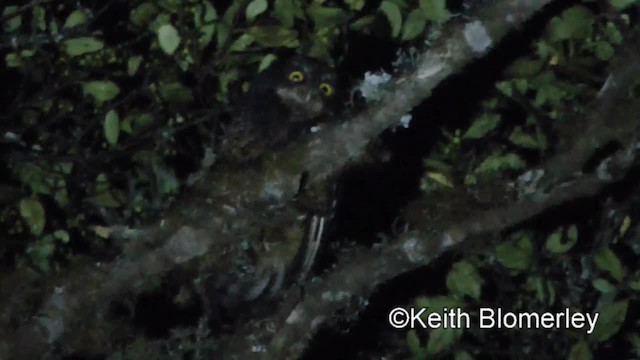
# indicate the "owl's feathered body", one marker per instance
pixel 283 102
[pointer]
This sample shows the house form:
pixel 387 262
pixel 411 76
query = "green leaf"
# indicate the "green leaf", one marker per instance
pixel 610 320
pixel 13 60
pixel 111 127
pixel 634 340
pixel 38 18
pixel 550 90
pixel 436 304
pixel 498 163
pixel 413 341
pixel 572 233
pixel 439 178
pixel 161 19
pixel 204 16
pixel 551 290
pixel 435 10
pixel 109 199
pixel 13 23
pixel 101 90
pixel 516 254
pixel 175 92
pixel 537 285
pixel 355 4
pixel 441 339
pixel 464 279
pixel 226 25
pixel 634 282
pixel 82 45
pixel 166 180
pixel 34 176
pixel 363 24
pixel 606 260
pixel 323 42
pixel 143 120
pixel 135 122
pixel 274 36
pixel 603 286
pixel 438 165
pixel 327 17
pixel 65 167
pixel 77 17
pixel 557 245
pixel 266 61
pixel 414 25
pixel 604 51
pixel 580 351
pixel 505 87
pixel 33 213
pixel 462 355
pixel 524 67
pixel 574 23
pixel 482 126
pixel 61 235
pixel 285 11
pixel 394 16
pixel 168 38
pixel 255 8
pixel 41 251
pixel 520 138
pixel 133 64
pixel 622 4
pixel 241 43
pixel 143 14
pixel 224 80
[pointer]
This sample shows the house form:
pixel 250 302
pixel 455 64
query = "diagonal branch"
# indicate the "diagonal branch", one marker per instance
pixel 358 274
pixel 210 220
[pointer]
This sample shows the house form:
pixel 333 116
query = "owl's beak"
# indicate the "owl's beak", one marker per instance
pixel 305 101
pixel 304 96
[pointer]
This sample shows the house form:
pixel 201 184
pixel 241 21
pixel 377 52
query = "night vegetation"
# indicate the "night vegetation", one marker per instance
pixel 486 155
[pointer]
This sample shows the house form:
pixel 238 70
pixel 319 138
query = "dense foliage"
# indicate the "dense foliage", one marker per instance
pixel 112 110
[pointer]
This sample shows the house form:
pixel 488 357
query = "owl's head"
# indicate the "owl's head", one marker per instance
pixel 307 87
pixel 283 101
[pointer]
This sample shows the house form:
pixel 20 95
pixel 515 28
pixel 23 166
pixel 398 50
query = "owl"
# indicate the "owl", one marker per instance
pixel 283 102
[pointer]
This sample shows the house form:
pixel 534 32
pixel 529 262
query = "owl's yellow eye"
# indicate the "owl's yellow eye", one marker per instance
pixel 326 89
pixel 296 76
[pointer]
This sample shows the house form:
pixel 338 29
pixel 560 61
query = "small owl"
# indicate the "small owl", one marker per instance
pixel 282 103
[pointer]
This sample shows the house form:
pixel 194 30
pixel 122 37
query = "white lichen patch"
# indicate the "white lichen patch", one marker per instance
pixel 331 296
pixel 510 19
pixel 603 171
pixel 406 58
pixel 413 250
pixel 372 84
pixel 527 184
pixel 431 64
pixel 447 240
pixel 272 191
pixel 229 209
pixel 609 83
pixel 317 321
pixel 477 37
pixel 185 244
pixel 405 121
pixel 295 315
